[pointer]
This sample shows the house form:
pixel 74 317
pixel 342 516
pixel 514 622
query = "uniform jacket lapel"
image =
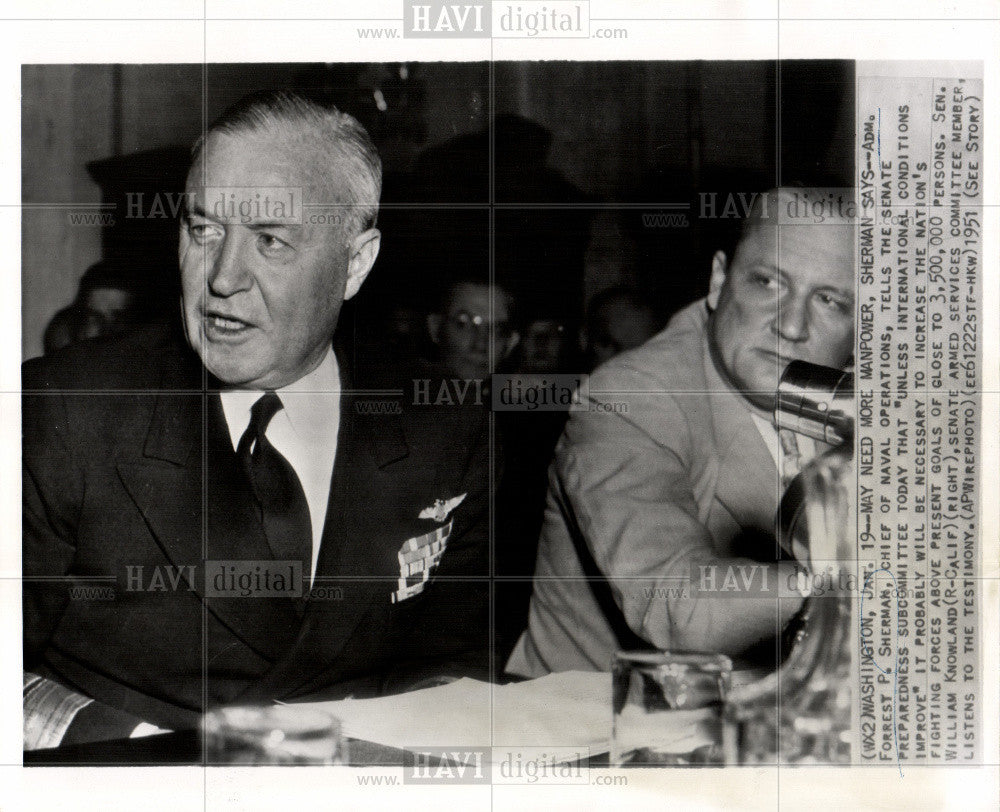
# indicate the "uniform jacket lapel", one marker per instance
pixel 197 518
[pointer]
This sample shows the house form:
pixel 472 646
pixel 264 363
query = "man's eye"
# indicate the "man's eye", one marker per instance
pixel 764 281
pixel 269 244
pixel 834 303
pixel 202 233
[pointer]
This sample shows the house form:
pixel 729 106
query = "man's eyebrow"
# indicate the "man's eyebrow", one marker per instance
pixel 198 210
pixel 770 267
pixel 847 293
pixel 269 224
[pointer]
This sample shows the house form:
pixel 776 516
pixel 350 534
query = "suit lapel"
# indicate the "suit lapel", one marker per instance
pixel 748 484
pixel 364 447
pixel 171 490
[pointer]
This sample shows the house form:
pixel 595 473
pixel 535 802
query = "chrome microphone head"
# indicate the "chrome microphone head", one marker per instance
pixel 816 401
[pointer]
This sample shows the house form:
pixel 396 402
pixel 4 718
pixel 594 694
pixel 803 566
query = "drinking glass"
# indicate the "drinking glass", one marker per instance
pixel 671 708
pixel 275 734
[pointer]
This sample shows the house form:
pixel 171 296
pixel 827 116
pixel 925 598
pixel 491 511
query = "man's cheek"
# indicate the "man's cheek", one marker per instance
pixel 766 370
pixel 831 350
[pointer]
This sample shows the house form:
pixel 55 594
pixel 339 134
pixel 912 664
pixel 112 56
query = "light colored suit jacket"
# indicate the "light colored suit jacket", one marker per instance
pixel 661 470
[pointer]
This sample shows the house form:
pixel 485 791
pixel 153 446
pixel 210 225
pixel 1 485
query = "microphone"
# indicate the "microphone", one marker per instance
pixel 816 401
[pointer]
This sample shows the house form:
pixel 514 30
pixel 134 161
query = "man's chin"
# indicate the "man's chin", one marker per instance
pixel 467 371
pixel 761 389
pixel 230 371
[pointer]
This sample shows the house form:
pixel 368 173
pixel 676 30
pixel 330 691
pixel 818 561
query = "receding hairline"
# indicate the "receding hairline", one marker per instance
pixel 451 288
pixel 342 146
pixel 794 205
pixel 312 155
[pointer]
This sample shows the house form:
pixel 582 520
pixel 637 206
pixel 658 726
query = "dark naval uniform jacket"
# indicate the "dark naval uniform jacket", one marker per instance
pixel 132 486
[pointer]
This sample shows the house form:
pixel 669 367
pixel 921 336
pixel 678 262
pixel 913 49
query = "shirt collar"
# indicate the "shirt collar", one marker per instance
pixel 306 402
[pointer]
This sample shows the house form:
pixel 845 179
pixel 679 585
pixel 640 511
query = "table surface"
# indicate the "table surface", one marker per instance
pixel 179 749
pixel 184 748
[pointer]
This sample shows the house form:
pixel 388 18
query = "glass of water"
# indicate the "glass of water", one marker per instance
pixel 672 709
pixel 275 734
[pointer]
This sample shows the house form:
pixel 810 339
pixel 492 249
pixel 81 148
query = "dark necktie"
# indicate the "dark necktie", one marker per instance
pixel 283 505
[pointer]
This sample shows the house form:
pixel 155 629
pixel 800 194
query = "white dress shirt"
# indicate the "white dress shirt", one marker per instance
pixel 807 446
pixel 304 432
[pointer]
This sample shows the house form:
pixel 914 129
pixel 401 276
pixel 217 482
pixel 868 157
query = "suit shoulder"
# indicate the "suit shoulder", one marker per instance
pixel 671 361
pixel 133 360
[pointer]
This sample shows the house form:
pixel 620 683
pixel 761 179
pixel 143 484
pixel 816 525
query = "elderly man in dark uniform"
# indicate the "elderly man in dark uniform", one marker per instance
pixel 260 529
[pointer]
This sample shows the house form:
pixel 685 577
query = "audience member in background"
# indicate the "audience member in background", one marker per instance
pixel 545 346
pixel 472 328
pixel 71 324
pixel 618 319
pixel 541 230
pixel 106 302
pixel 107 290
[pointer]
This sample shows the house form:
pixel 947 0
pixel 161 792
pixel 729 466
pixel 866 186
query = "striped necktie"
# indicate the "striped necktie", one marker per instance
pixel 791 457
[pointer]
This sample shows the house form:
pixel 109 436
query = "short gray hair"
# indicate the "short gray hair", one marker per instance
pixel 285 112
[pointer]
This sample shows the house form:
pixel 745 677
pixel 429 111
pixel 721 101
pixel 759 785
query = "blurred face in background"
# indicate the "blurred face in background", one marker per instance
pixel 113 304
pixel 788 294
pixel 620 325
pixel 470 340
pixel 543 346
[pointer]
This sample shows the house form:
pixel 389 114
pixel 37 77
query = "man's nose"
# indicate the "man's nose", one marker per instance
pixel 480 337
pixel 227 274
pixel 791 321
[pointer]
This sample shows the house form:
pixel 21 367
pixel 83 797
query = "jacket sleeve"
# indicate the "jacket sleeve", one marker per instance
pixel 623 470
pixel 55 715
pixel 52 493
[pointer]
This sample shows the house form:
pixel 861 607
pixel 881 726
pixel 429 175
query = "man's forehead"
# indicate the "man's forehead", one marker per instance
pixel 814 249
pixel 251 162
pixel 474 297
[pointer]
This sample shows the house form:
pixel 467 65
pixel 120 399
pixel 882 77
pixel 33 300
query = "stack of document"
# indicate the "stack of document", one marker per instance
pixel 568 714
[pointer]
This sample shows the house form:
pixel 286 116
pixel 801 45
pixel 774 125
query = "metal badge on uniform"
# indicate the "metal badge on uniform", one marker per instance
pixel 417 557
pixel 441 508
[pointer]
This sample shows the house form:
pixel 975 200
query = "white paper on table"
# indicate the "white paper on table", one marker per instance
pixel 568 714
pixel 674 731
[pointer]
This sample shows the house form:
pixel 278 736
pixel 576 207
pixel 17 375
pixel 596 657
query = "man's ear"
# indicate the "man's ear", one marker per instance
pixel 720 266
pixel 364 250
pixel 513 341
pixel 434 326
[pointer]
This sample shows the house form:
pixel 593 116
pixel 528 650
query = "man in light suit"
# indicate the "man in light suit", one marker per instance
pixel 672 467
pixel 262 517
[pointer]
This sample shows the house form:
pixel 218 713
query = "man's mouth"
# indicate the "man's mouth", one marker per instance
pixel 221 326
pixel 776 357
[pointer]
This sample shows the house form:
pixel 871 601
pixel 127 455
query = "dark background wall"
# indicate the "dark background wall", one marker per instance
pixel 620 133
